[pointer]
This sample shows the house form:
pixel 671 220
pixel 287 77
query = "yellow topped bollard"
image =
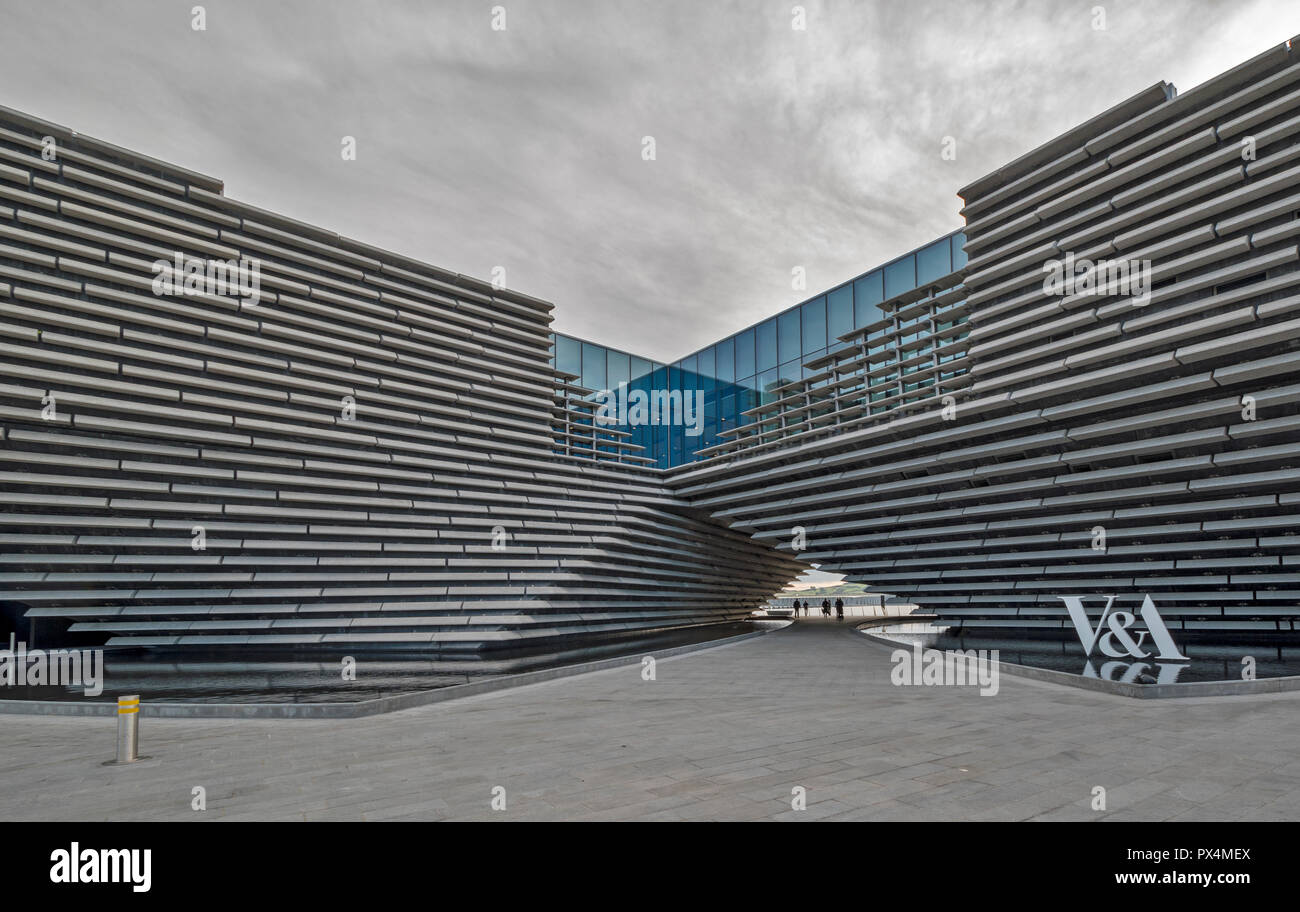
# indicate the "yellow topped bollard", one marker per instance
pixel 128 729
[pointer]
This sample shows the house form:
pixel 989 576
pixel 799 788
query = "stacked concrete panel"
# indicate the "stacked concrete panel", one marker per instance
pixel 370 452
pixel 377 453
pixel 1108 443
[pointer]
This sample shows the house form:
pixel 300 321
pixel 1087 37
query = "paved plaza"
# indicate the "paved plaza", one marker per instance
pixel 726 733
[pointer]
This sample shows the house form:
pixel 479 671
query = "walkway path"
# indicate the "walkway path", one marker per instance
pixel 721 734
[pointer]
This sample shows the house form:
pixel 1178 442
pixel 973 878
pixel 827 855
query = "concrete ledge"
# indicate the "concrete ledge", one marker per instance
pixel 360 708
pixel 1119 688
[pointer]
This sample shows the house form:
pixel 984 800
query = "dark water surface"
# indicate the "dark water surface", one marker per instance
pixel 1207 661
pixel 231 677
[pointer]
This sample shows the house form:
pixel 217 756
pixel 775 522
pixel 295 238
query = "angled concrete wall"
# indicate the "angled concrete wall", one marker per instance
pixel 1164 432
pixel 372 454
pixel 1037 444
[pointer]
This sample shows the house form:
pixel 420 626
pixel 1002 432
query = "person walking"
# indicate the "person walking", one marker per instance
pixel 805 607
pixel 839 609
pixel 826 607
pixel 796 609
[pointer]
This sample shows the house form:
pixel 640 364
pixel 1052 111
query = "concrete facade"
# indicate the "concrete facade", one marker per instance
pixel 1097 444
pixel 373 453
pixel 378 452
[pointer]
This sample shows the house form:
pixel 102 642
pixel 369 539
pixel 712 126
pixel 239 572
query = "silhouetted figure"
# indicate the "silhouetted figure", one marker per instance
pixel 826 607
pixel 839 609
pixel 795 606
pixel 805 607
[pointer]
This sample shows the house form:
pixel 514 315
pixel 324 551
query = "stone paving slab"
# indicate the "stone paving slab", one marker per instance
pixel 723 734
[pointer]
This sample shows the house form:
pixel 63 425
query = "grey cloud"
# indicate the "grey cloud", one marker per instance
pixel 522 149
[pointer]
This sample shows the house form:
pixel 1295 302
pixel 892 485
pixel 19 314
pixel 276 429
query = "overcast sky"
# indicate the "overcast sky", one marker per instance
pixel 523 148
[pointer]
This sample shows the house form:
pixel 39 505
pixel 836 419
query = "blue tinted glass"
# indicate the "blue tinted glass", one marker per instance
pixel 808 371
pixel 620 368
pixel 900 277
pixel 593 366
pixel 839 312
pixel 745 353
pixel 868 292
pixel 958 254
pixel 790 370
pixel 640 367
pixel 790 346
pixel 690 379
pixel 706 364
pixel 727 411
pixel 766 382
pixel 814 325
pixel 725 360
pixel 568 355
pixel 765 340
pixel 934 262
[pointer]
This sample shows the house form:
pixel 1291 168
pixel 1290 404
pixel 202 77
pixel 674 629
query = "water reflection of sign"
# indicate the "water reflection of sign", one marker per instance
pixel 1128 672
pixel 1117 642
